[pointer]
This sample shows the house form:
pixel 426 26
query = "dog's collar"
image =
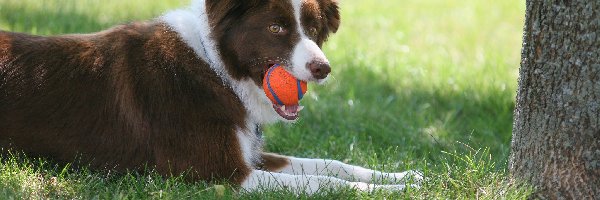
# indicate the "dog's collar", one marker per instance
pixel 258 131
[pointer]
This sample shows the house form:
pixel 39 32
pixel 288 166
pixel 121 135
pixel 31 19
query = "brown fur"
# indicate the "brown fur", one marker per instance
pixel 122 98
pixel 324 16
pixel 273 162
pixel 137 95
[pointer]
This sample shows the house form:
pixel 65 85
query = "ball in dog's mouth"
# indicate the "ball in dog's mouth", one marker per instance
pixel 284 90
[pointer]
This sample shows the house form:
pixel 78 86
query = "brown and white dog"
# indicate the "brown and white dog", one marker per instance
pixel 181 93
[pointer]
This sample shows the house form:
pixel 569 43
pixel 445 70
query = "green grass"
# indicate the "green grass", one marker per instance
pixel 416 84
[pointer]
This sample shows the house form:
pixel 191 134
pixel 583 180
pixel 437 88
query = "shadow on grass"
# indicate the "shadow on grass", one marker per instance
pixel 24 177
pixel 37 20
pixel 379 117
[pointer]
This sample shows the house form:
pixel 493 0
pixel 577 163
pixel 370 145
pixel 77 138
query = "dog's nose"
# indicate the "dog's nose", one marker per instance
pixel 319 70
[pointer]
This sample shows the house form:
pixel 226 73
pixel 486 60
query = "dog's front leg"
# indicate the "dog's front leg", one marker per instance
pixel 306 166
pixel 305 184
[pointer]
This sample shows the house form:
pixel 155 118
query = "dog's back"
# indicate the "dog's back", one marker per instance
pixel 44 89
pixel 122 98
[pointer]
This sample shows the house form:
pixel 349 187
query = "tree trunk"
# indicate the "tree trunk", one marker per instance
pixel 556 132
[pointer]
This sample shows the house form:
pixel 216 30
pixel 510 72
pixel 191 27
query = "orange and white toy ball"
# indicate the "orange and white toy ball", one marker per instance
pixel 283 88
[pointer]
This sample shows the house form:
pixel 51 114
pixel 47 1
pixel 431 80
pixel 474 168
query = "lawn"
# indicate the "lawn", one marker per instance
pixel 416 84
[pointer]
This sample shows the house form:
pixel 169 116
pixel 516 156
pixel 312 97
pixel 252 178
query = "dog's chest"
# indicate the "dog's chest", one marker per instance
pixel 251 142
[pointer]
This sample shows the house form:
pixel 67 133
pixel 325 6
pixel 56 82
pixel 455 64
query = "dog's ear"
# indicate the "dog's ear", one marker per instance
pixel 332 14
pixel 220 10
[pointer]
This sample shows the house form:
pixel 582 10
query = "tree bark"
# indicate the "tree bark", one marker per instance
pixel 556 130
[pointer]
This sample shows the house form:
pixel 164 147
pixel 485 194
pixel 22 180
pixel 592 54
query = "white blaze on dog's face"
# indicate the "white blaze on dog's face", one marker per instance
pixel 308 60
pixel 253 35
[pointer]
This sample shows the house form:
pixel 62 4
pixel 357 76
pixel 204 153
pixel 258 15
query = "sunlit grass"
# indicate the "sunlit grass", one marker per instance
pixel 411 80
pixel 76 16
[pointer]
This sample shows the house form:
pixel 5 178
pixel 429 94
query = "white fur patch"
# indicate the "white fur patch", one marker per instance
pixel 258 105
pixel 305 184
pixel 306 50
pixel 307 166
pixel 309 175
pixel 193 27
pixel 250 143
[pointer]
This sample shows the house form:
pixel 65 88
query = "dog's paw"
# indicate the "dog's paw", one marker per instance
pixel 411 176
pixel 388 188
pixel 366 187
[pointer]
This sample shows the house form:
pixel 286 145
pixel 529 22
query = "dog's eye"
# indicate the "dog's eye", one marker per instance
pixel 275 28
pixel 313 32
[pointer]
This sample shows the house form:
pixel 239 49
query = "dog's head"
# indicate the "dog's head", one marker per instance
pixel 253 35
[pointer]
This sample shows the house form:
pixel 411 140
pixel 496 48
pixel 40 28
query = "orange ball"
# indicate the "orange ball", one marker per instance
pixel 283 88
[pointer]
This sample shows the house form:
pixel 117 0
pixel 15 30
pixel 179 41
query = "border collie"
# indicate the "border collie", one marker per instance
pixel 181 93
